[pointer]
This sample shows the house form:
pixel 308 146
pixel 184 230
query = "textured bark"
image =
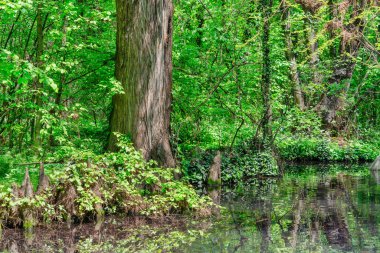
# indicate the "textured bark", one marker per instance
pixel 214 177
pixel 376 164
pixel 43 181
pixel 343 66
pixel 266 73
pixel 333 102
pixel 26 190
pixel 314 53
pixel 144 68
pixel 294 75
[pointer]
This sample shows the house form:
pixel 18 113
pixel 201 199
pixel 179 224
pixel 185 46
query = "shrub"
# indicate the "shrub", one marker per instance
pixel 120 182
pixel 304 149
pixel 237 166
pixel 4 165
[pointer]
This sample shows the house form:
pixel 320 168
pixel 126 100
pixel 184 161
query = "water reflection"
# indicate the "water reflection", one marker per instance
pixel 312 209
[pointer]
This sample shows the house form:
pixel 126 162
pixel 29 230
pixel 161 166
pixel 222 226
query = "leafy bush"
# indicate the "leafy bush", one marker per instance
pixel 4 165
pixel 323 149
pixel 237 166
pixel 120 182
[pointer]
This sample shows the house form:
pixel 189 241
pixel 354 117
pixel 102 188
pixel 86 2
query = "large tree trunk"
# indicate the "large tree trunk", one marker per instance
pixel 343 65
pixel 144 68
pixel 334 101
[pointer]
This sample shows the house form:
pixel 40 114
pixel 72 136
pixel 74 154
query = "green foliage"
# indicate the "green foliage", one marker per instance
pixel 4 165
pixel 217 98
pixel 237 167
pixel 240 168
pixel 111 183
pixel 322 149
pixel 76 74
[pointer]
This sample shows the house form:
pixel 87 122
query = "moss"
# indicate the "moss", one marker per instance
pixel 28 223
pixel 214 183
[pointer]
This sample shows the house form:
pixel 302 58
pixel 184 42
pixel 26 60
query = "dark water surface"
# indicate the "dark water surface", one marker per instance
pixel 314 208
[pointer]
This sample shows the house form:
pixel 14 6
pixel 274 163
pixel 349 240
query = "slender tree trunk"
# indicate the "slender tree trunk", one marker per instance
pixel 12 29
pixel 266 74
pixel 294 74
pixel 316 76
pixel 36 138
pixel 144 68
pixel 201 21
pixel 58 97
pixel 297 221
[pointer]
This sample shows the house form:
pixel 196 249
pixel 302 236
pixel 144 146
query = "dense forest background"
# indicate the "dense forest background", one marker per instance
pixel 300 78
pixel 123 107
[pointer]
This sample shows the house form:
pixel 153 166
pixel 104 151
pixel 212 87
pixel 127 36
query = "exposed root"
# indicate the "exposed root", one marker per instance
pixel 86 191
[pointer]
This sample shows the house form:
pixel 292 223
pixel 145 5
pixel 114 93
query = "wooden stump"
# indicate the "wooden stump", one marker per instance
pixel 27 192
pixel 43 182
pixel 214 177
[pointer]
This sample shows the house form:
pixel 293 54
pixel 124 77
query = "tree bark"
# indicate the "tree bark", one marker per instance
pixel 266 74
pixel 36 129
pixel 314 52
pixel 343 66
pixel 294 75
pixel 144 68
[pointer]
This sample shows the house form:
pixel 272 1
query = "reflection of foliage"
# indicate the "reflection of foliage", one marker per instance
pixel 302 212
pixel 305 199
pixel 145 239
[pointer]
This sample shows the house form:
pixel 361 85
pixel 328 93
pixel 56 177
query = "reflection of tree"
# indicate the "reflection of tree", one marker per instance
pixel 331 217
pixel 263 208
pixel 297 219
pixel 297 213
pixel 305 214
pixel 317 206
pixel 263 224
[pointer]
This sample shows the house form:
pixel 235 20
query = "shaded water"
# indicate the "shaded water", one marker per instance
pixel 312 209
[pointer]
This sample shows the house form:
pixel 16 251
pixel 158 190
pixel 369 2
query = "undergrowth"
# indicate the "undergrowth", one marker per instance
pixel 122 183
pixel 327 150
pixel 241 164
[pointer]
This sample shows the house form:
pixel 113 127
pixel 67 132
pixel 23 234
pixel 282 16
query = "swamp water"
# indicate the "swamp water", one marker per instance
pixel 314 208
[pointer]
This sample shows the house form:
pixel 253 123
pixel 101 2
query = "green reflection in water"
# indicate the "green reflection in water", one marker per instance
pixel 315 208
